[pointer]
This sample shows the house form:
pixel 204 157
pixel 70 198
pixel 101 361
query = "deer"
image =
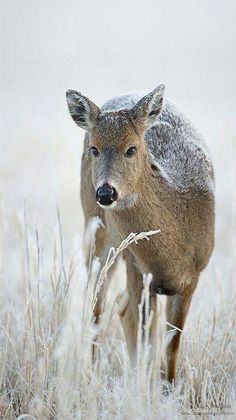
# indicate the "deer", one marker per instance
pixel 144 167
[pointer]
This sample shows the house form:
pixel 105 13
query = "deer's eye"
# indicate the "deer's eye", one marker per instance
pixel 94 151
pixel 131 152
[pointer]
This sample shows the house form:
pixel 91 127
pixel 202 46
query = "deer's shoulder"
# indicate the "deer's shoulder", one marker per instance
pixel 179 150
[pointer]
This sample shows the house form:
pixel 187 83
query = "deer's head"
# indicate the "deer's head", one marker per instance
pixel 116 145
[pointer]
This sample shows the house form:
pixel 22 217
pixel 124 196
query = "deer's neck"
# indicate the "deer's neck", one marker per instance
pixel 151 207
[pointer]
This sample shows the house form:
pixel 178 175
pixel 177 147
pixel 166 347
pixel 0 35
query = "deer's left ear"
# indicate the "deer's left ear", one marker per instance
pixel 83 111
pixel 147 109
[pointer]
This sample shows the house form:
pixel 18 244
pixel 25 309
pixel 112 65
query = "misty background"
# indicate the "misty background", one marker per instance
pixel 105 49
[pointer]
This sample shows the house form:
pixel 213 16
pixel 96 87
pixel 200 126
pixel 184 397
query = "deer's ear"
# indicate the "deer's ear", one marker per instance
pixel 147 109
pixel 83 111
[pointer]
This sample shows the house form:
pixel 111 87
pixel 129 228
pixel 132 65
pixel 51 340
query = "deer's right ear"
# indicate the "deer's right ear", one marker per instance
pixel 83 111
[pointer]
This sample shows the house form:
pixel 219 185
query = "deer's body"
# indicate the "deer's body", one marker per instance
pixel 170 187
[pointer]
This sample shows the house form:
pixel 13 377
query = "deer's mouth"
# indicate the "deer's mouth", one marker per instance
pixel 110 206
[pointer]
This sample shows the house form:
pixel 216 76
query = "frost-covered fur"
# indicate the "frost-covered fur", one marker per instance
pixel 175 146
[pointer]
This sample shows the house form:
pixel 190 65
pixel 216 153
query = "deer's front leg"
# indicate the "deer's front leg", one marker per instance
pixel 176 311
pixel 128 308
pixel 129 324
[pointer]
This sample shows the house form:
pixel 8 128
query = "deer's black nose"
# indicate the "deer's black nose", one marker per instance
pixel 106 195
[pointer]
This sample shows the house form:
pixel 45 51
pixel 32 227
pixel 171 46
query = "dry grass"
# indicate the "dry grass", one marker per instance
pixel 47 336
